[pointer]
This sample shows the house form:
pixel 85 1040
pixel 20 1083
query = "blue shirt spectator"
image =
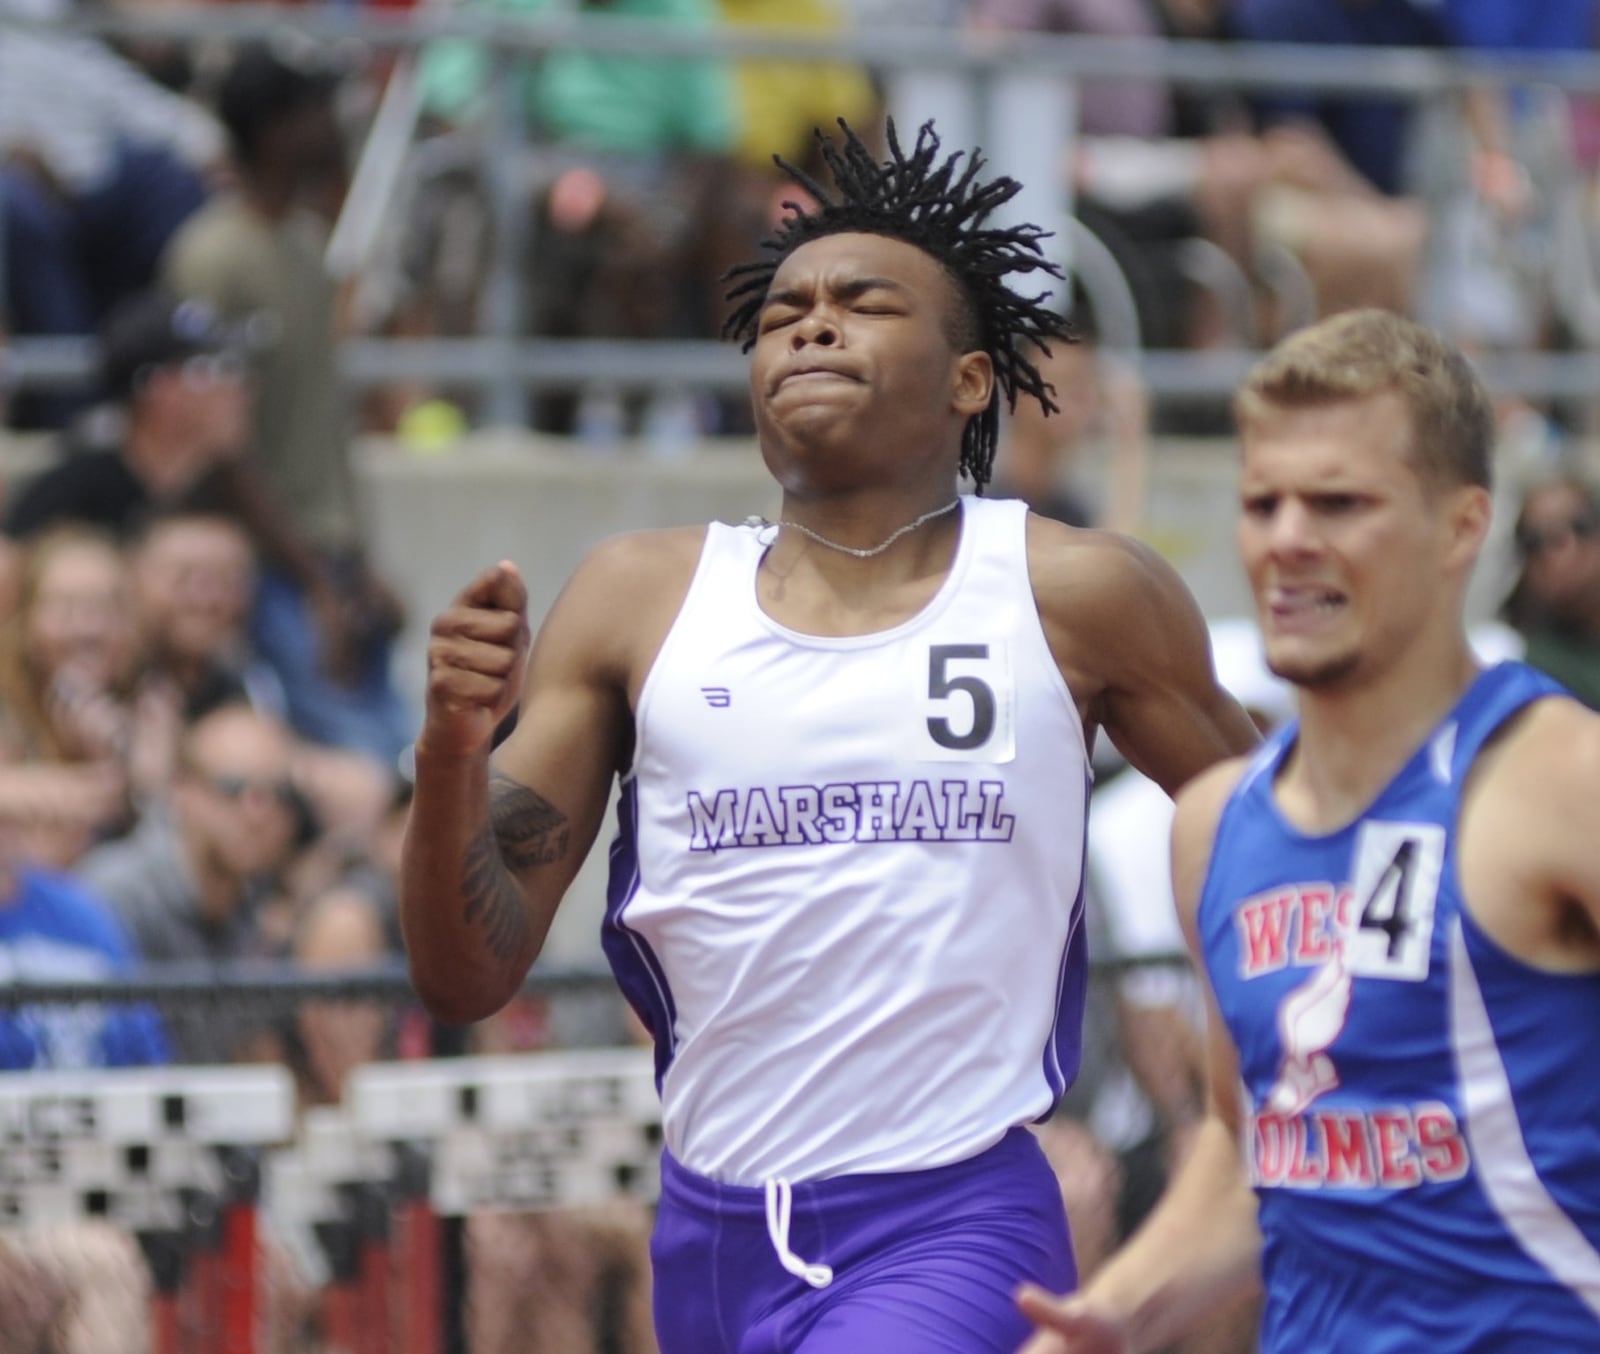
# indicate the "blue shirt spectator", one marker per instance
pixel 1372 131
pixel 1527 26
pixel 51 929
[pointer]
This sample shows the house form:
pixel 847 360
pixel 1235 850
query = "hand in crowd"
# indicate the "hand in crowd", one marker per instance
pixel 137 734
pixel 157 730
pixel 381 605
pixel 93 722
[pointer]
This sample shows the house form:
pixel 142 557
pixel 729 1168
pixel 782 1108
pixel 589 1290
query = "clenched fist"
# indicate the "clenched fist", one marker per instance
pixel 477 649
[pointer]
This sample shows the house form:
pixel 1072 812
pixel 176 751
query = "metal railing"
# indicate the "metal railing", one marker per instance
pixel 1406 72
pixel 176 984
pixel 544 364
pixel 984 69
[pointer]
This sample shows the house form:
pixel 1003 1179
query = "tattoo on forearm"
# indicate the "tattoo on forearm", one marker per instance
pixel 492 899
pixel 528 828
pixel 524 830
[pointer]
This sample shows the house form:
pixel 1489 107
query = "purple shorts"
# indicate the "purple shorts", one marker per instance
pixel 923 1262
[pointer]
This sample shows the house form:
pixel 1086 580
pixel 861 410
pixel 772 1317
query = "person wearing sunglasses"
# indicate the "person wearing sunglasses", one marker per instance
pixel 192 880
pixel 1555 602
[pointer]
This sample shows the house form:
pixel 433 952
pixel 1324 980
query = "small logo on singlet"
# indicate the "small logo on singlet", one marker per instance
pixel 717 697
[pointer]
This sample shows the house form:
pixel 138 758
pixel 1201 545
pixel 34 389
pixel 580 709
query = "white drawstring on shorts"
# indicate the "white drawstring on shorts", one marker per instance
pixel 780 1205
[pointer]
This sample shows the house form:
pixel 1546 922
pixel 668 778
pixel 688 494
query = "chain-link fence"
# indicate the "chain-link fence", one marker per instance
pixel 357 1180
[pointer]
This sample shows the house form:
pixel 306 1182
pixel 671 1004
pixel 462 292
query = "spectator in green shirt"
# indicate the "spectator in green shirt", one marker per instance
pixel 629 159
pixel 623 103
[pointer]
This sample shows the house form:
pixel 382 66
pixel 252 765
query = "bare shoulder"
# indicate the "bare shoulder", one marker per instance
pixel 1130 642
pixel 653 560
pixel 637 572
pixel 1529 820
pixel 1546 766
pixel 1557 740
pixel 1103 594
pixel 622 599
pixel 1088 571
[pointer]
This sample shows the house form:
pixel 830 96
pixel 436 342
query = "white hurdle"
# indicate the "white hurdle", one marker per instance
pixel 186 1157
pixel 543 1130
pixel 172 1154
pixel 125 1143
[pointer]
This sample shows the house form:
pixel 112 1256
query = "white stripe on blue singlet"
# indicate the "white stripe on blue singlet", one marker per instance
pixel 1499 1153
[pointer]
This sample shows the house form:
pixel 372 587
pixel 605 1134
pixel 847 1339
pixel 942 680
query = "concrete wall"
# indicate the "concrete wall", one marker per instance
pixel 436 520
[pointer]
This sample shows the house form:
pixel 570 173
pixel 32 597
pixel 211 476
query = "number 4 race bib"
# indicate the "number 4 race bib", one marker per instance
pixel 1395 885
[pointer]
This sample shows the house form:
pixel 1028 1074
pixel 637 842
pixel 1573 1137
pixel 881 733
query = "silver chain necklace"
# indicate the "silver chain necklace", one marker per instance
pixel 859 553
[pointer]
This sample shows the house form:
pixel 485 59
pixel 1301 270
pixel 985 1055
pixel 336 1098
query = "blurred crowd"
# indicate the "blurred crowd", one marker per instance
pixel 1232 217
pixel 202 751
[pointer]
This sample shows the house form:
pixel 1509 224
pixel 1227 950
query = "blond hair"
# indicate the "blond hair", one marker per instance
pixel 1366 352
pixel 25 692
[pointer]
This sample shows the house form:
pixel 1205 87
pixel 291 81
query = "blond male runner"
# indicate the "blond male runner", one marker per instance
pixel 1397 904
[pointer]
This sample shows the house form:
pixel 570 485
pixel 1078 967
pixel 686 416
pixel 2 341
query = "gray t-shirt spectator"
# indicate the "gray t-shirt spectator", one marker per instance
pixel 148 880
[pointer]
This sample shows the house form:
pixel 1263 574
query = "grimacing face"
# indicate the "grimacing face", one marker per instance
pixel 853 377
pixel 1345 548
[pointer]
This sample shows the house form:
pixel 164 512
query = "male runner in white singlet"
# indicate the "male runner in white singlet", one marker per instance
pixel 853 750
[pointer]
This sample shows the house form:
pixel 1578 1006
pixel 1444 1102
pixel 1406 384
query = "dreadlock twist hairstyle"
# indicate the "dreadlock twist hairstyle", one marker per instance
pixel 939 207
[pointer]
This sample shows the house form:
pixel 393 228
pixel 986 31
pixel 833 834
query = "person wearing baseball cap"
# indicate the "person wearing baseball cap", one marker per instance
pixel 180 376
pixel 156 330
